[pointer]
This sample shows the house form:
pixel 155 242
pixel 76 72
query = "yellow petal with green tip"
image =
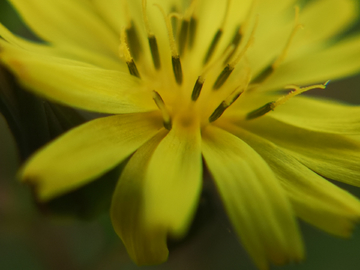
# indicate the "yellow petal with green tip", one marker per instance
pixel 87 152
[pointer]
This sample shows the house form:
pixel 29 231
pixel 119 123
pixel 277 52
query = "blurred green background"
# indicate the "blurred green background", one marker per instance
pixel 32 241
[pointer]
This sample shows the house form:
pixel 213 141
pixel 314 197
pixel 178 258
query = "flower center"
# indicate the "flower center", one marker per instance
pixel 191 90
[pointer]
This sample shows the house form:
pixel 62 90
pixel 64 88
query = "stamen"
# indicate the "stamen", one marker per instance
pixel 237 37
pixel 215 62
pixel 126 13
pixel 133 40
pixel 164 111
pixel 154 49
pixel 225 104
pixel 260 111
pixel 225 74
pixel 263 75
pixel 174 20
pixel 213 46
pixel 190 16
pixel 247 46
pixel 173 48
pixel 298 90
pixel 269 70
pixel 218 35
pixel 132 35
pixel 125 53
pixel 183 35
pixel 146 19
pixel 297 27
pixel 133 69
pixel 273 104
pixel 197 88
pixel 154 52
pixel 240 30
pixel 175 59
pixel 192 31
pixel 177 69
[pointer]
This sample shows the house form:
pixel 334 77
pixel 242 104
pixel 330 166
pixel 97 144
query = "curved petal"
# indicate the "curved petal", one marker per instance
pixel 253 198
pixel 88 151
pixel 78 84
pixel 144 245
pixel 157 194
pixel 320 115
pixel 331 155
pixel 68 22
pixel 173 181
pixel 340 60
pixel 314 199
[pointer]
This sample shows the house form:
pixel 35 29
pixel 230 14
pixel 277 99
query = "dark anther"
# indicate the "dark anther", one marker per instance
pixel 224 75
pixel 133 69
pixel 184 29
pixel 154 51
pixel 213 45
pixel 197 89
pixel 237 37
pixel 192 31
pixel 221 108
pixel 263 75
pixel 235 43
pixel 134 41
pixel 167 125
pixel 260 111
pixel 177 69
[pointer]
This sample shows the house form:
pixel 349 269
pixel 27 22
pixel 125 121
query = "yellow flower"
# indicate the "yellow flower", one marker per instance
pixel 194 84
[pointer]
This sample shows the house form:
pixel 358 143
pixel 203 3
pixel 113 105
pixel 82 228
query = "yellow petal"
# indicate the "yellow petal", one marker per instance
pixel 68 22
pixel 88 151
pixel 324 19
pixel 253 198
pixel 78 84
pixel 340 60
pixel 319 115
pixel 314 199
pixel 65 51
pixel 145 245
pixel 157 194
pixel 331 155
pixel 210 15
pixel 173 182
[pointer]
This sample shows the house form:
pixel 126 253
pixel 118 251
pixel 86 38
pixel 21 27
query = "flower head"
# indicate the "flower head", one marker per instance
pixel 198 80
